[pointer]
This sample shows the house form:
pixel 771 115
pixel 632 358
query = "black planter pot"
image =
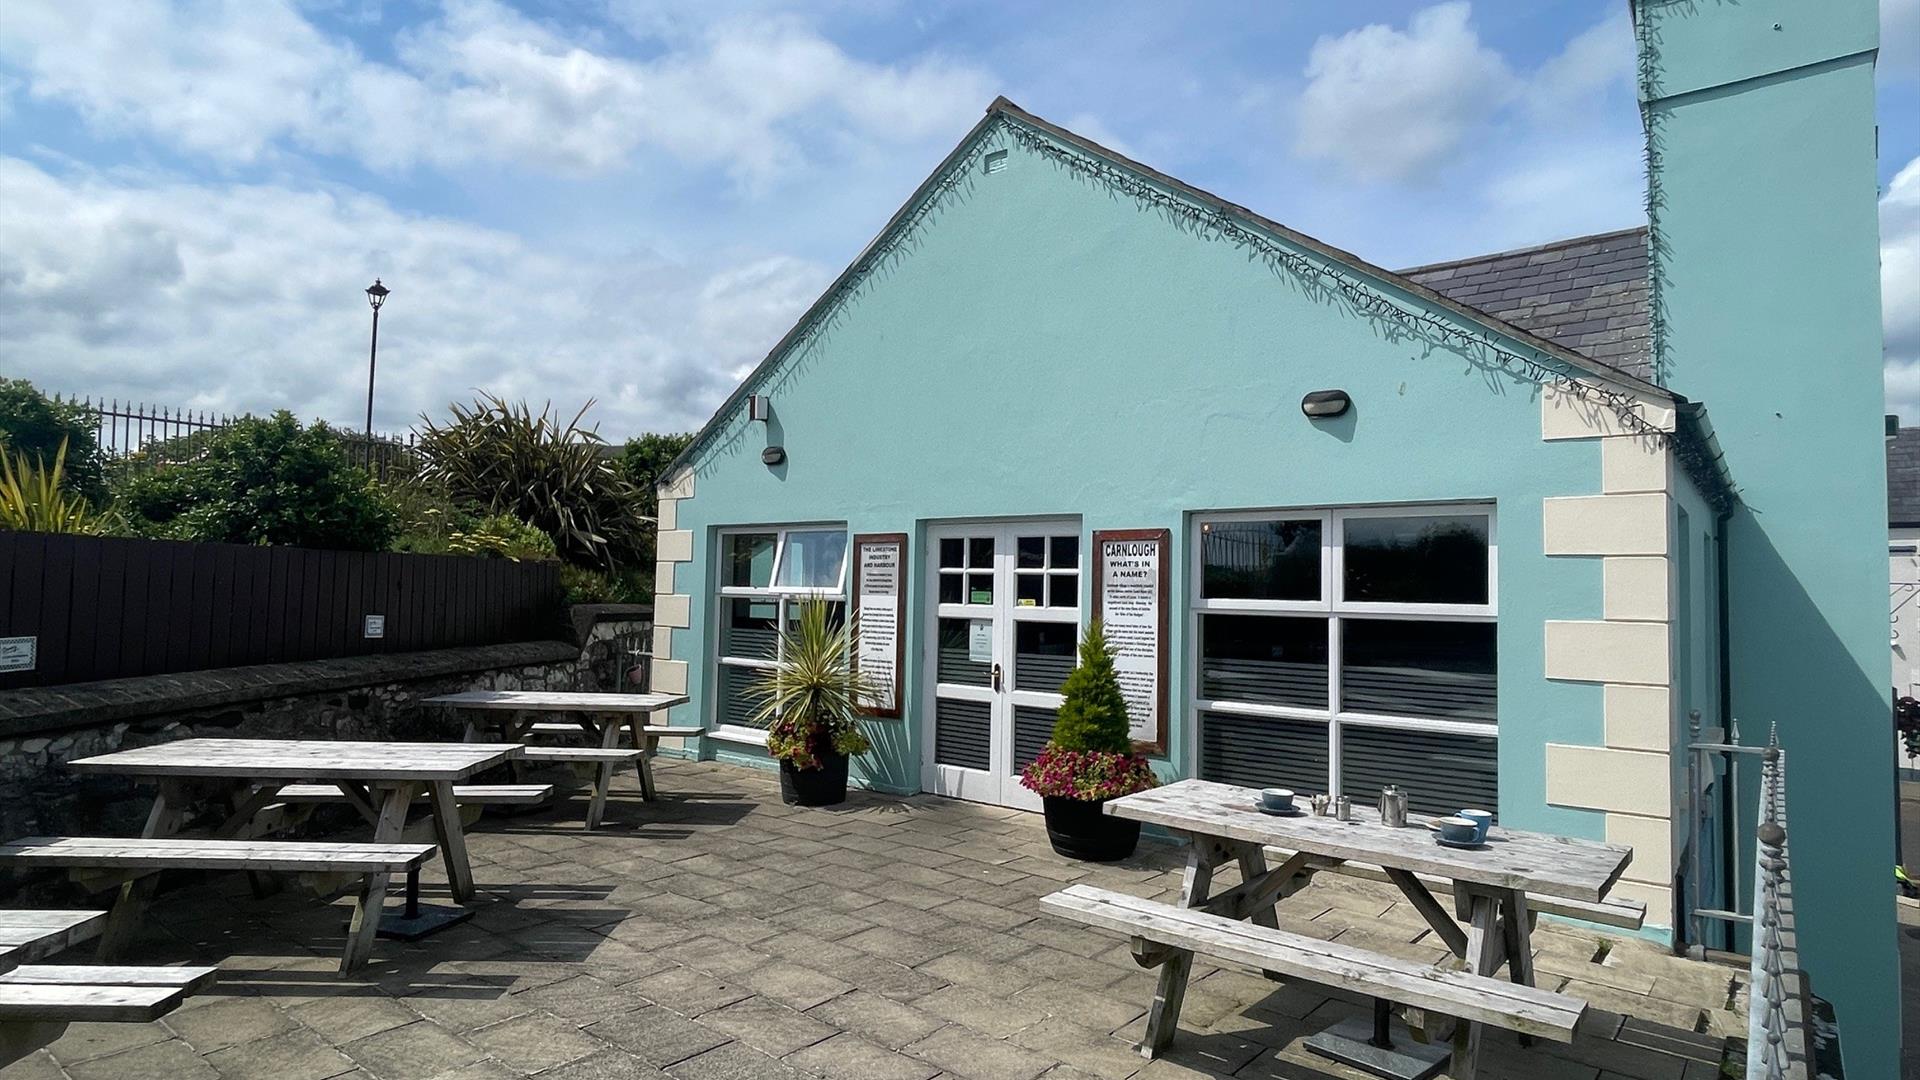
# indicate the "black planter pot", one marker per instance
pixel 824 786
pixel 1080 829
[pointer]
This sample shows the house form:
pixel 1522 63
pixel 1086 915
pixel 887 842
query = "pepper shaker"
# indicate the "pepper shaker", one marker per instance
pixel 1343 809
pixel 1319 806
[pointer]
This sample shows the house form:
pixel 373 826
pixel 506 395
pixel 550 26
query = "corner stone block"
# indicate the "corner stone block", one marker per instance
pixel 1608 652
pixel 1652 842
pixel 1630 464
pixel 1639 717
pixel 667 515
pixel 674 545
pixel 1604 524
pixel 663 642
pixel 1635 589
pixel 672 610
pixel 1599 778
pixel 663 577
pixel 677 486
pixel 1566 415
pixel 670 676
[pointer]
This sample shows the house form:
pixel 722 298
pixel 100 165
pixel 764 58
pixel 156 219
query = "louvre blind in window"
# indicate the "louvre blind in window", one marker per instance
pixel 962 734
pixel 1263 752
pixel 1440 773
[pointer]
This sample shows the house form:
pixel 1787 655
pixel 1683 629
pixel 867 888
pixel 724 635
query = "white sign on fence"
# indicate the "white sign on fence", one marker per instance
pixel 376 627
pixel 18 653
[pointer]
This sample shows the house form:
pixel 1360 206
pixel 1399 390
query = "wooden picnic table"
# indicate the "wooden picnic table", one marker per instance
pixel 514 715
pixel 1222 823
pixel 379 779
pixel 29 936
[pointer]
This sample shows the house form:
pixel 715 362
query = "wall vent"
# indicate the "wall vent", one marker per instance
pixel 995 161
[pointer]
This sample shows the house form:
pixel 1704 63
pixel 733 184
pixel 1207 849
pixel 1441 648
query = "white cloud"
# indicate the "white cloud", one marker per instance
pixel 1900 290
pixel 1389 105
pixel 248 297
pixel 243 80
pixel 1900 38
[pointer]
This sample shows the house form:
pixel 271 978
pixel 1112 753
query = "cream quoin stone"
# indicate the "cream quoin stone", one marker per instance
pixel 667 514
pixel 663 642
pixel 1639 717
pixel 1630 464
pixel 1651 839
pixel 670 676
pixel 672 610
pixel 677 486
pixel 1635 589
pixel 674 545
pixel 1605 524
pixel 663 577
pixel 1567 416
pixel 1658 898
pixel 1601 778
pixel 1608 652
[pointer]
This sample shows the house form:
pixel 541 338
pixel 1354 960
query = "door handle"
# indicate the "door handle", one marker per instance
pixel 996 678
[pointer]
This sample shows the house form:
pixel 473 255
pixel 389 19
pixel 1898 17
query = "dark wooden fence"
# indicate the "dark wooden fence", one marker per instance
pixel 109 608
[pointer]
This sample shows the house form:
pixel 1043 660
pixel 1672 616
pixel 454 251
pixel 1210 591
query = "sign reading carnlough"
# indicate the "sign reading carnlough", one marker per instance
pixel 1130 599
pixel 18 653
pixel 879 595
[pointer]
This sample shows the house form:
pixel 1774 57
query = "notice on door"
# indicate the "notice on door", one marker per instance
pixel 879 594
pixel 1130 600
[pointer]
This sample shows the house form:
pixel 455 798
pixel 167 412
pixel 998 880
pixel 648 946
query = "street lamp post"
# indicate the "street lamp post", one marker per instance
pixel 376 295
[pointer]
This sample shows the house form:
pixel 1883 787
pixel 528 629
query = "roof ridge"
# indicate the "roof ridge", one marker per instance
pixel 1511 252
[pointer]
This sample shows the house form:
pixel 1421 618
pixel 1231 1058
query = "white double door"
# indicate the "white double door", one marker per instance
pixel 1003 626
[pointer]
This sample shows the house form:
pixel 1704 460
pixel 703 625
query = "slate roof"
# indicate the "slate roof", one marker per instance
pixel 1903 479
pixel 1588 294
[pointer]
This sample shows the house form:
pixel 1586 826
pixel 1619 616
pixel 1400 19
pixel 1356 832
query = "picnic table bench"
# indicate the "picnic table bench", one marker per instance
pixel 379 779
pixel 1491 884
pixel 599 719
pixel 38 1001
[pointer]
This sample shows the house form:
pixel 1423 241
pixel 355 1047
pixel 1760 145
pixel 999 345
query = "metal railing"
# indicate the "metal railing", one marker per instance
pixel 1714 760
pixel 133 434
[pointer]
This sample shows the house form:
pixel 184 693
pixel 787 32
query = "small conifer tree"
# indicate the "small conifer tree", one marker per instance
pixel 1094 714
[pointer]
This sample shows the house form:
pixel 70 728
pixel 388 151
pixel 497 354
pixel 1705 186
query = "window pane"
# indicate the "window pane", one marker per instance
pixel 1032 551
pixel 1258 751
pixel 953 552
pixel 836 613
pixel 1269 659
pixel 979 588
pixel 954 666
pixel 951 589
pixel 747 628
pixel 1043 655
pixel 1064 590
pixel 737 696
pixel 1441 773
pixel 1260 560
pixel 1417 560
pixel 1066 553
pixel 748 559
pixel 980 553
pixel 1029 589
pixel 1435 669
pixel 812 559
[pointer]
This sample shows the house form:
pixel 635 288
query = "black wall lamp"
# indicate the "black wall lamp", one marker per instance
pixel 1321 404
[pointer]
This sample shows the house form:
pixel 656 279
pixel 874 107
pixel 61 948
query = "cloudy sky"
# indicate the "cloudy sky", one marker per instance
pixel 632 199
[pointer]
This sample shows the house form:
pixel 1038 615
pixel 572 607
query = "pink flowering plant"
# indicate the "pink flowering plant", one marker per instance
pixel 1090 756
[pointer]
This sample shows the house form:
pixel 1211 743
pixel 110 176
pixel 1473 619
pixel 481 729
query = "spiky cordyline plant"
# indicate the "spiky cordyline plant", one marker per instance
pixel 812 700
pixel 32 500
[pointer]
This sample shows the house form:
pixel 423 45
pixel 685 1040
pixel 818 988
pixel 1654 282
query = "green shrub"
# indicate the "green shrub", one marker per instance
pixel 262 481
pixel 1094 714
pixel 503 459
pixel 33 424
pixel 503 536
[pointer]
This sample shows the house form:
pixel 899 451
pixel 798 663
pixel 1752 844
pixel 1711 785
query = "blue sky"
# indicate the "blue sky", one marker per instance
pixel 632 201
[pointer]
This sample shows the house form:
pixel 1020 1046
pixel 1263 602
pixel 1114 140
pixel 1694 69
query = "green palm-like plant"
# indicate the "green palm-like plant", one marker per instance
pixel 33 500
pixel 812 700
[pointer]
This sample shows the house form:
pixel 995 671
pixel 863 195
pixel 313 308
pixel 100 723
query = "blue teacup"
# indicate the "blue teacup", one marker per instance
pixel 1277 798
pixel 1458 830
pixel 1481 818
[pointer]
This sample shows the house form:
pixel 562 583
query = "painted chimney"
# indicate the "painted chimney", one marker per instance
pixel 1766 309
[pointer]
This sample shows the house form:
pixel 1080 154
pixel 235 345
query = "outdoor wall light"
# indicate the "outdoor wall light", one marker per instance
pixel 773 455
pixel 1322 404
pixel 759 407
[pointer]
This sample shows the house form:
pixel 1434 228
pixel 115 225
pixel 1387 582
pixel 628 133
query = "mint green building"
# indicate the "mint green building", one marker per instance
pixel 1501 531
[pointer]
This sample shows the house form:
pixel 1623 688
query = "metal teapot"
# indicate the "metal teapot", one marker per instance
pixel 1393 807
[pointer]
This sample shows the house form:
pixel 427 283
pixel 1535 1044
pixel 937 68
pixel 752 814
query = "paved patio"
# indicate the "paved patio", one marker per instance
pixel 719 934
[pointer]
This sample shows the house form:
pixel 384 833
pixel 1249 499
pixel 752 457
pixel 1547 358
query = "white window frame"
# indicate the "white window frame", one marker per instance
pixel 782 596
pixel 1334 607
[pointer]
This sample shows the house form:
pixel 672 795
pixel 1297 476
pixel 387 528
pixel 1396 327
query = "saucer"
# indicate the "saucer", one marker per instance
pixel 1467 845
pixel 1292 812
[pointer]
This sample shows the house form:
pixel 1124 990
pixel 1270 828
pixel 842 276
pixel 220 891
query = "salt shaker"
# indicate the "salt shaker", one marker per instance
pixel 1319 806
pixel 1343 809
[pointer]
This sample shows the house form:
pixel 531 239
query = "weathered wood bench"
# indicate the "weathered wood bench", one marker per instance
pixel 565 727
pixel 483 794
pixel 606 758
pixel 1626 914
pixel 1161 932
pixel 136 858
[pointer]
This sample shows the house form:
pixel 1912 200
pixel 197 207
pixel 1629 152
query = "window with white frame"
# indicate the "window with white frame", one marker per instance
pixel 764 575
pixel 1342 650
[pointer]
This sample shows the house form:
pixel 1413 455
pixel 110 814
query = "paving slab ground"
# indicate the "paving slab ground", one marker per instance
pixel 717 934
